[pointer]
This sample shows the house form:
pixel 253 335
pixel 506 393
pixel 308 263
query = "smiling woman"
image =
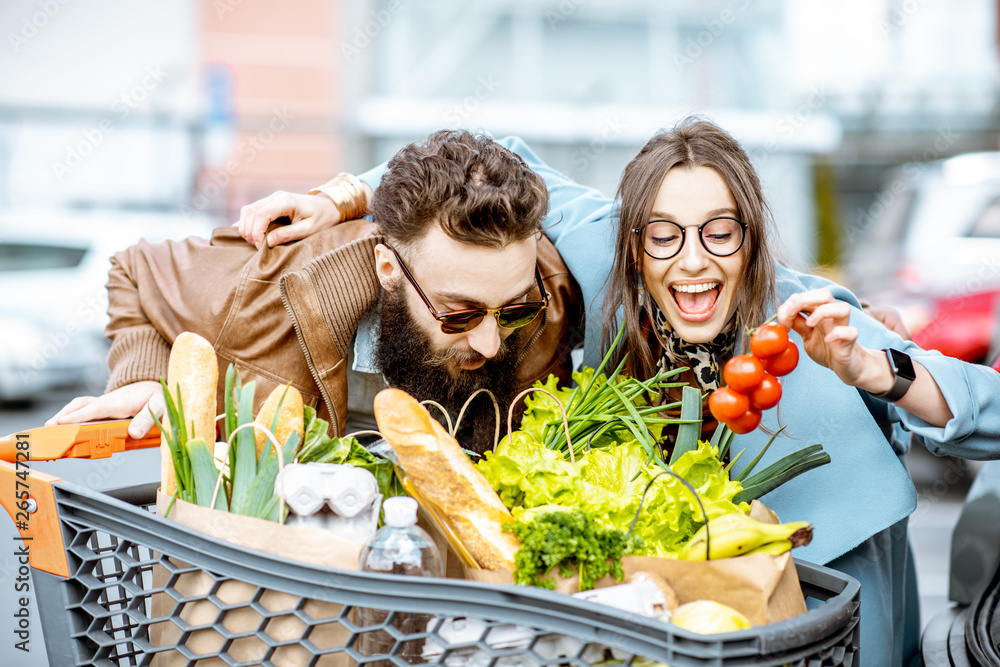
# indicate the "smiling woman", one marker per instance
pixel 697 285
pixel 691 180
pixel 694 270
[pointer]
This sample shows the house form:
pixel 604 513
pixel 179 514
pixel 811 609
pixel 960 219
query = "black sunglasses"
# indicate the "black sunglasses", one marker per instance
pixel 511 316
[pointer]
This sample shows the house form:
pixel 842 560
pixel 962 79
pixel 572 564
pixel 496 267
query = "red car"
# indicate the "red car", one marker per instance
pixel 963 326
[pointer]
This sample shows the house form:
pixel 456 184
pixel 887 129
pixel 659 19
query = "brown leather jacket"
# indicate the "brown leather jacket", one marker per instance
pixel 286 314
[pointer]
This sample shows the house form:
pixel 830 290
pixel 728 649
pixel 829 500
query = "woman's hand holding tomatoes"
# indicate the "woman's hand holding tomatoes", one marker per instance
pixel 752 380
pixel 827 336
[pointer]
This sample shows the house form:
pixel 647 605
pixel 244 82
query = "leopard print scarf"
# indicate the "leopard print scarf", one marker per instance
pixel 705 359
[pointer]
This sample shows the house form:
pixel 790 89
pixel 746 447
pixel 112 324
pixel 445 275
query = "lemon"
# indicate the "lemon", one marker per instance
pixel 708 617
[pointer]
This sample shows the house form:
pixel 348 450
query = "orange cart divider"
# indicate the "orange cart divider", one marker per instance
pixel 27 494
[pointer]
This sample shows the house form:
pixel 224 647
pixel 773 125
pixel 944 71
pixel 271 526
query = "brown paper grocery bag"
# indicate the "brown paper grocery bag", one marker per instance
pixel 309 545
pixel 763 588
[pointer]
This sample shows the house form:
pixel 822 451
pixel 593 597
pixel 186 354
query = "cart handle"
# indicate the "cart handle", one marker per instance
pixel 92 440
pixel 27 494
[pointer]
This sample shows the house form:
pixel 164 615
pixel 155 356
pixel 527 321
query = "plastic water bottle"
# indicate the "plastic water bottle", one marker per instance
pixel 398 547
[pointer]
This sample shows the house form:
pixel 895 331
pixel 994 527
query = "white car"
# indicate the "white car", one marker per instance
pixel 53 270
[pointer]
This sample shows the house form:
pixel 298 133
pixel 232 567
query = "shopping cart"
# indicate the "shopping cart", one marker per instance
pixel 114 586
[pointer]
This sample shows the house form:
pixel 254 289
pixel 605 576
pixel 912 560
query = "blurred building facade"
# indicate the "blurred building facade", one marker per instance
pixel 826 97
pixel 204 105
pixel 275 98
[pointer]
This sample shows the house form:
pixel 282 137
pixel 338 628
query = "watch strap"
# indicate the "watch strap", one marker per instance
pixel 900 385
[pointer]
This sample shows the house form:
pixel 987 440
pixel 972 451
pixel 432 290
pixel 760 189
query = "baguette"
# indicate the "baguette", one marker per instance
pixel 443 474
pixel 291 419
pixel 194 370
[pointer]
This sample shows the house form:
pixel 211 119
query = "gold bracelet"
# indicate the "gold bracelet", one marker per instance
pixel 348 195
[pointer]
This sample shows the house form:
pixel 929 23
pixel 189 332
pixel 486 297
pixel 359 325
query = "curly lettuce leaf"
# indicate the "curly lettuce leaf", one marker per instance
pixel 671 515
pixel 609 478
pixel 704 471
pixel 608 483
pixel 541 408
pixel 526 474
pixel 618 468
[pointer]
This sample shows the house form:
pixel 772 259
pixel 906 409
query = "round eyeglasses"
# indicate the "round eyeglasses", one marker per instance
pixel 662 239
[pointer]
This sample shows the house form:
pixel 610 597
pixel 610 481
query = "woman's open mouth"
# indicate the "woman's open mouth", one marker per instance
pixel 696 302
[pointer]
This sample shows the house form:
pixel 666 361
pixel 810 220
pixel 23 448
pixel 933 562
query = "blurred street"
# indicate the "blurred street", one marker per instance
pixel 931 527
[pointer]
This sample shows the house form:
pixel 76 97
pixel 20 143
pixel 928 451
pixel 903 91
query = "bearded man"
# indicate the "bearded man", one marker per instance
pixel 453 289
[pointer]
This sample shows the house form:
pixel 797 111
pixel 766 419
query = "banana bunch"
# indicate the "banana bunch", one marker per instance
pixel 736 534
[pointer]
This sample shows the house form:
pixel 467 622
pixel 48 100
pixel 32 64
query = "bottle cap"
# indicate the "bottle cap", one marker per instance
pixel 400 511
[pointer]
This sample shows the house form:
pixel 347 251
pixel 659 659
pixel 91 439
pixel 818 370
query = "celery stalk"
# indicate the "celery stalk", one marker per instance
pixel 204 474
pixel 245 467
pixel 688 432
pixel 261 491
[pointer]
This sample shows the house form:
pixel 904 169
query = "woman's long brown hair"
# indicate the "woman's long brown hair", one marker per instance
pixel 694 142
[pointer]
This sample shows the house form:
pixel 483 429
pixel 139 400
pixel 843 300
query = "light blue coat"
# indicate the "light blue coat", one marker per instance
pixel 858 504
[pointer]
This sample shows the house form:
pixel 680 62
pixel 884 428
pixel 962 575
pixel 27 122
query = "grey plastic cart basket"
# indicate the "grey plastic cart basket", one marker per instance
pixel 102 613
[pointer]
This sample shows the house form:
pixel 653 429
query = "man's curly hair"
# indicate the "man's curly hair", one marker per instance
pixel 477 190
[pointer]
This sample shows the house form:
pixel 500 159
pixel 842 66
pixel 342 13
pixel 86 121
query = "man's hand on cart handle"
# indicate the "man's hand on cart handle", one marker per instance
pixel 140 400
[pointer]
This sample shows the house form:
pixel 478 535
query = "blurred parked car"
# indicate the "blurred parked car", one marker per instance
pixel 968 632
pixel 935 226
pixel 53 270
pixel 963 326
pixel 929 246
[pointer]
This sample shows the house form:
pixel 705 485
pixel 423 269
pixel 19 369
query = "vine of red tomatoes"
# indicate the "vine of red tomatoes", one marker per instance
pixel 752 384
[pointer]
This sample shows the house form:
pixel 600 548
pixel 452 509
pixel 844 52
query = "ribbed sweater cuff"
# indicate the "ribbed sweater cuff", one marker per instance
pixel 347 287
pixel 140 354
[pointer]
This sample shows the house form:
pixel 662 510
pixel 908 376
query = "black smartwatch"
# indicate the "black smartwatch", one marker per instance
pixel 902 371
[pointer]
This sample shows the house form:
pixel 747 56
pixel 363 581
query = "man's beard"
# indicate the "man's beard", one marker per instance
pixel 408 361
